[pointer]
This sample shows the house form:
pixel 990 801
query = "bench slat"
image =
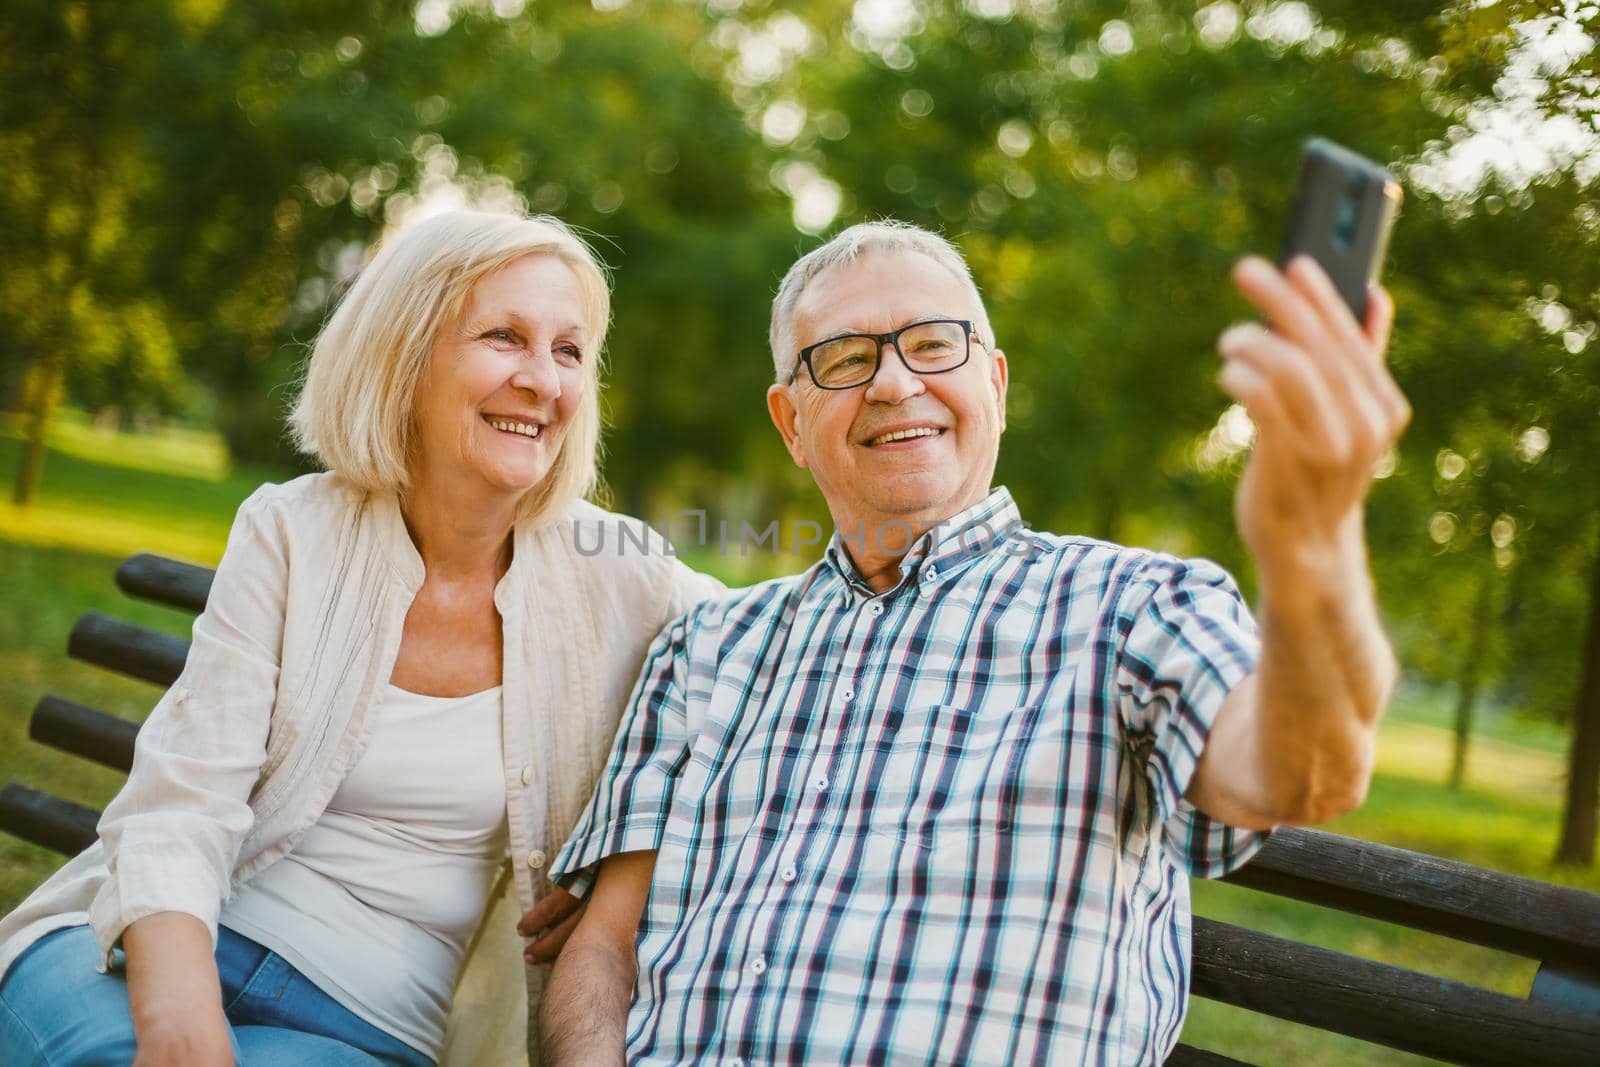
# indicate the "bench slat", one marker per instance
pixel 1189 1056
pixel 126 648
pixel 1501 911
pixel 1387 1005
pixel 46 820
pixel 83 731
pixel 165 581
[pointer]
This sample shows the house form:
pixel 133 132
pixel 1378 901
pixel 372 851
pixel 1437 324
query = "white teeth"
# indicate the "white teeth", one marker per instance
pixel 901 435
pixel 507 425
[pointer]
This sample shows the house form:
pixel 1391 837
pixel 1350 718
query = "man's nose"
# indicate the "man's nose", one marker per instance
pixel 894 381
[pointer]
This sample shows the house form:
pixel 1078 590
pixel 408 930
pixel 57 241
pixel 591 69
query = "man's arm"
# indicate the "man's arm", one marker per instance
pixel 584 1011
pixel 1294 742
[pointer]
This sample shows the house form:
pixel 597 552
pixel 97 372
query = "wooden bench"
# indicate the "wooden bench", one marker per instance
pixel 1558 1022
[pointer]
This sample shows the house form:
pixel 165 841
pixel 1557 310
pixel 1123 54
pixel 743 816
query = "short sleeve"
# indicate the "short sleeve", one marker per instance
pixel 628 811
pixel 687 587
pixel 1190 639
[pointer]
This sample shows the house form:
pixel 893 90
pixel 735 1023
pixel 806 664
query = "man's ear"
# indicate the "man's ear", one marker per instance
pixel 999 376
pixel 780 405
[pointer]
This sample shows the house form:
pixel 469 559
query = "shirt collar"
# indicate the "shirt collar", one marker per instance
pixel 943 551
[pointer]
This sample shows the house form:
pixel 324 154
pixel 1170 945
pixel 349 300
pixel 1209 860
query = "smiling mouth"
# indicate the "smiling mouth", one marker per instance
pixel 521 429
pixel 903 435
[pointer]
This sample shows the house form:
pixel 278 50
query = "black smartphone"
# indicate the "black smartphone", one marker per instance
pixel 1344 209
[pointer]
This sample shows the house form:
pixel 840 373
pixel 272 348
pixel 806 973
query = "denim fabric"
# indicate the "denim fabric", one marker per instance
pixel 56 1010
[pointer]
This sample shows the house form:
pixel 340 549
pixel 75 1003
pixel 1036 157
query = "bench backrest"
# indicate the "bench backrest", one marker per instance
pixel 1558 1023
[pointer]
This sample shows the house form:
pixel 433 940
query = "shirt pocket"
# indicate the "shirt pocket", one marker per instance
pixel 952 779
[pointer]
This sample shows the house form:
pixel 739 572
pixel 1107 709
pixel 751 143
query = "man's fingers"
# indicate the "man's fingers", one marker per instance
pixel 1380 318
pixel 1313 283
pixel 1345 355
pixel 548 947
pixel 1284 378
pixel 1287 311
pixel 1242 383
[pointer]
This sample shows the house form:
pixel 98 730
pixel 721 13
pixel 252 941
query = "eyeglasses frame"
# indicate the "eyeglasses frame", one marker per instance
pixel 892 339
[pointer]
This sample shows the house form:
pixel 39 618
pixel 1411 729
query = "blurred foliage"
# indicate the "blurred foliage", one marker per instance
pixel 191 182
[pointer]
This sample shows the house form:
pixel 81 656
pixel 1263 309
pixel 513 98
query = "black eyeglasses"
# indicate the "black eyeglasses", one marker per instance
pixel 931 347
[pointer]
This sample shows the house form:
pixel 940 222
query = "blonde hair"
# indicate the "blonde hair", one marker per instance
pixel 885 235
pixel 354 411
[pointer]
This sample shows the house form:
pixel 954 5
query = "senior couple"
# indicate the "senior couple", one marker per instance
pixel 934 800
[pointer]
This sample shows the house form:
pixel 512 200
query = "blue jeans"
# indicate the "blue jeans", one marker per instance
pixel 56 1010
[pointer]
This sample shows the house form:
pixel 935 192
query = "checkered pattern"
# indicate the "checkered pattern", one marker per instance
pixel 939 825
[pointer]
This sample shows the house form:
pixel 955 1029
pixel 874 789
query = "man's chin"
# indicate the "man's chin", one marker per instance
pixel 916 504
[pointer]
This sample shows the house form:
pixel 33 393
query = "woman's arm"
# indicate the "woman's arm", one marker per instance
pixel 174 993
pixel 172 835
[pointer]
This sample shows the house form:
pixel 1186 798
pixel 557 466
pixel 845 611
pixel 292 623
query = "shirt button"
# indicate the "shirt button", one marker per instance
pixel 820 782
pixel 758 965
pixel 847 696
pixel 787 874
pixel 536 859
pixel 932 573
pixel 875 608
pixel 527 773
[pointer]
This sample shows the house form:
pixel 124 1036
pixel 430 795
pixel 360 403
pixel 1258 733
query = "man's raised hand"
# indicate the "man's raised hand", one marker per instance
pixel 1326 411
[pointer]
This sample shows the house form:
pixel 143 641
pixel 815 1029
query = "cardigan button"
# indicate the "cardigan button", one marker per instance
pixel 527 773
pixel 536 859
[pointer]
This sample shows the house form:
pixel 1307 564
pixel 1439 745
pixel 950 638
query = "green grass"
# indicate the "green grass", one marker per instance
pixel 107 495
pixel 112 494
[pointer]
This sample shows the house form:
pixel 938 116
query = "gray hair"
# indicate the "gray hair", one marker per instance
pixel 885 235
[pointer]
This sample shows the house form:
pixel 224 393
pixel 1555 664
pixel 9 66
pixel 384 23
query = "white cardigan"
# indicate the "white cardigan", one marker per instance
pixel 297 641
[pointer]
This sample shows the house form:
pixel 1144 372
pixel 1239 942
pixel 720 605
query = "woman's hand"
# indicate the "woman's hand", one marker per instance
pixel 550 922
pixel 174 993
pixel 185 1038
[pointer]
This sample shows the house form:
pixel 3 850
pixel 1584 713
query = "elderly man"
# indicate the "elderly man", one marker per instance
pixel 935 799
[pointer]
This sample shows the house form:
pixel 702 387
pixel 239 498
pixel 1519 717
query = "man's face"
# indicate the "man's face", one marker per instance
pixel 839 435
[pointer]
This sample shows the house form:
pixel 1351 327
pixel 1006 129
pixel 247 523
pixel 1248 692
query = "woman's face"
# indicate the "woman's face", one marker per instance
pixel 504 379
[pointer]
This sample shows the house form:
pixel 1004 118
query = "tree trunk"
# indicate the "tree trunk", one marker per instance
pixel 87 87
pixel 1583 773
pixel 1468 680
pixel 46 388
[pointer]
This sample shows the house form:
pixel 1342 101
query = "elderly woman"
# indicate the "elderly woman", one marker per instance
pixel 408 666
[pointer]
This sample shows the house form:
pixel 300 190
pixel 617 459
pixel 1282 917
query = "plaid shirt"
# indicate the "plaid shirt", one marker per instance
pixel 941 824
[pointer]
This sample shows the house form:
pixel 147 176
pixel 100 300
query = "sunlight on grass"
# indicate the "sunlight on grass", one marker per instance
pixel 170 450
pixel 111 493
pixel 109 531
pixel 1422 752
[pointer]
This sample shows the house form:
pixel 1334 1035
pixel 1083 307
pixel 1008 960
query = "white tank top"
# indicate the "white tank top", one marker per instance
pixel 378 899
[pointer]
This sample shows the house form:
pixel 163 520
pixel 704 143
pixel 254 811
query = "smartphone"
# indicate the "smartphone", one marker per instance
pixel 1344 209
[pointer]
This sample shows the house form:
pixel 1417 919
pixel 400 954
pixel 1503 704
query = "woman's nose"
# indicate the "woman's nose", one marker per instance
pixel 537 374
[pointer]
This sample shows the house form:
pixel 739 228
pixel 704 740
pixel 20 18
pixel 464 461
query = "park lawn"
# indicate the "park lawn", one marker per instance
pixel 105 496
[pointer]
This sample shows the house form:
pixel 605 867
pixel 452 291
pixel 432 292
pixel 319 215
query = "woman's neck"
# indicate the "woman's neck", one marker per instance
pixel 458 532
